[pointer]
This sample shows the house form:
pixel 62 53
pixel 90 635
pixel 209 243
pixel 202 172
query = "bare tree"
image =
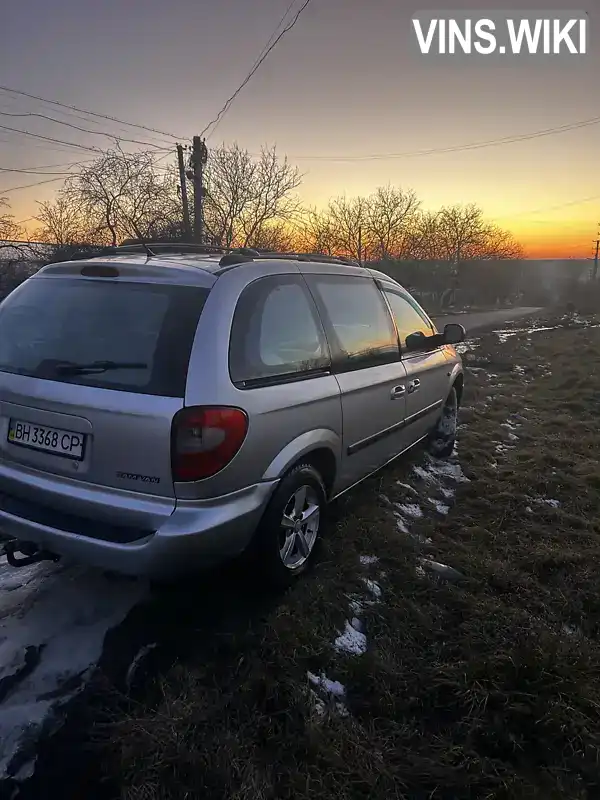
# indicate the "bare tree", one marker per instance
pixel 424 243
pixel 379 225
pixel 349 222
pixel 460 233
pixel 119 195
pixel 499 243
pixel 246 197
pixel 314 233
pixel 392 216
pixel 463 234
pixel 277 236
pixel 64 223
pixel 9 229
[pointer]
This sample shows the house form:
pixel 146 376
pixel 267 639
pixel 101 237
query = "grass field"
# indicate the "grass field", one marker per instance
pixel 385 674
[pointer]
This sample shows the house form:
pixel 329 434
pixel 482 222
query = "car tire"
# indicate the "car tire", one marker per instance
pixel 442 438
pixel 290 530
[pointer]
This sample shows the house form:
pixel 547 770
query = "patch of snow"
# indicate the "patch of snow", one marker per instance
pixel 539 329
pixel 410 509
pixel 512 437
pixel 551 503
pixel 401 524
pixel 351 641
pixel 439 507
pixel 441 570
pixel 357 624
pixel 529 510
pixel 420 571
pixel 334 688
pixel 408 487
pixel 422 473
pixel 367 560
pixel 53 618
pixel 448 493
pixel 447 469
pixel 510 425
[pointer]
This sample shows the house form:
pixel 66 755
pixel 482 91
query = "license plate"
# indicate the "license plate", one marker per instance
pixel 49 440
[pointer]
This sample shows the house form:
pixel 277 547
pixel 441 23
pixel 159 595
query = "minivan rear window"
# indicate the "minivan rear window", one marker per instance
pixel 125 336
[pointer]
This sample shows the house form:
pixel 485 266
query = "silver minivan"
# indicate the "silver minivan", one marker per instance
pixel 164 408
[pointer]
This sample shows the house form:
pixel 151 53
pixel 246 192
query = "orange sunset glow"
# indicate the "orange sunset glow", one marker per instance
pixel 344 99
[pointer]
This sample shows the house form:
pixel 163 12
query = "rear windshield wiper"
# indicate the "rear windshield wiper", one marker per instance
pixel 94 367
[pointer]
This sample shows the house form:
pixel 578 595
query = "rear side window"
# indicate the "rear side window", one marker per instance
pixel 57 328
pixel 276 334
pixel 359 323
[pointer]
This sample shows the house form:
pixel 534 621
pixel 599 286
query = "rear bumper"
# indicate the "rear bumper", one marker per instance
pixel 198 534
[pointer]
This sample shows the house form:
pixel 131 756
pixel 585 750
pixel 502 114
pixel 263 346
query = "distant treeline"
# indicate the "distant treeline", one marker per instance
pixel 438 284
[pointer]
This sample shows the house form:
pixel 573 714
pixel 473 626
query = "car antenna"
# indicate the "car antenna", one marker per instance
pixel 149 253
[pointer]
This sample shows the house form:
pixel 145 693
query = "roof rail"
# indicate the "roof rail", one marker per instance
pixel 243 254
pixel 166 247
pixel 231 255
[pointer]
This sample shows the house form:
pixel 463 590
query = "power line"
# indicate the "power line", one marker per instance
pixel 78 128
pixel 50 139
pixel 48 166
pixel 91 113
pixel 29 186
pixel 52 180
pixel 23 142
pixel 558 207
pixel 459 148
pixel 89 120
pixel 260 55
pixel 257 65
pixel 34 172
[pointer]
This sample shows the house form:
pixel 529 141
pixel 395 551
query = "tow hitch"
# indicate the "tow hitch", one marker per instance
pixel 31 554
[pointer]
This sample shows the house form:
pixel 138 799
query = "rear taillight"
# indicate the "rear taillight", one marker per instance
pixel 204 440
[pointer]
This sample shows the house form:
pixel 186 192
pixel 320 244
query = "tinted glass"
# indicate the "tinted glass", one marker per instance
pixel 276 332
pixel 77 320
pixel 408 319
pixel 359 319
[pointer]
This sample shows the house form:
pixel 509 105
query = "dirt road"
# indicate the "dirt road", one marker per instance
pixel 486 319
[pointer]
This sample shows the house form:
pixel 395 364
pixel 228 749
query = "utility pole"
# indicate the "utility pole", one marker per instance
pixel 595 272
pixel 199 158
pixel 184 197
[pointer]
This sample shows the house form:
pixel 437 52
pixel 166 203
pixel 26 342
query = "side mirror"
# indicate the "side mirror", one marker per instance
pixel 416 341
pixel 454 333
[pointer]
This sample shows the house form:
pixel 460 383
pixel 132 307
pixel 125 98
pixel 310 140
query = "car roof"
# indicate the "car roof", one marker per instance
pixel 199 268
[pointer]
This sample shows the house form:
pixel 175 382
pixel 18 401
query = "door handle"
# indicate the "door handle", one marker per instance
pixel 398 391
pixel 413 386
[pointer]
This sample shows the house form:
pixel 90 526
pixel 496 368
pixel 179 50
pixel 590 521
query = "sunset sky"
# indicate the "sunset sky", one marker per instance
pixel 343 84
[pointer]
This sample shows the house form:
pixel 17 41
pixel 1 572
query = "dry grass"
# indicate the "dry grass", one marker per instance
pixel 483 687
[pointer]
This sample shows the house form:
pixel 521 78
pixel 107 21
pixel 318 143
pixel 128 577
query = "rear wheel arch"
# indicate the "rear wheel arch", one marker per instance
pixel 320 448
pixel 324 461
